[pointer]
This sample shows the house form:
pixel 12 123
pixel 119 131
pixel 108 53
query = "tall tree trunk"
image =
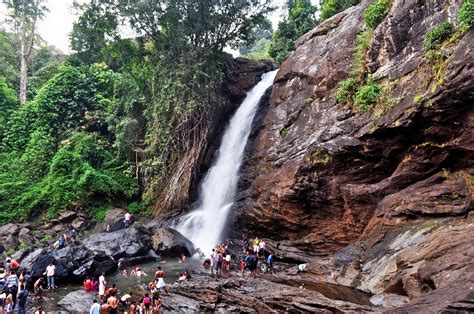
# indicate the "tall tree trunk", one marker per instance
pixel 24 60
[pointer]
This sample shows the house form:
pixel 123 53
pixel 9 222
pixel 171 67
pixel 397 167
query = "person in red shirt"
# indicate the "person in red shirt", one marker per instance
pixel 12 264
pixel 87 284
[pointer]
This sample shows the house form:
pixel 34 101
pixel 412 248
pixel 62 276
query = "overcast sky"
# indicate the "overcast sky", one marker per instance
pixel 57 24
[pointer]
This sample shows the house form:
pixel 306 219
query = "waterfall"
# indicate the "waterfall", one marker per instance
pixel 205 225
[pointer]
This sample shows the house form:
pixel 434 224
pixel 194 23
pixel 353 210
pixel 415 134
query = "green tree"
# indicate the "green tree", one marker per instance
pixel 24 15
pixel 9 59
pixel 329 8
pixel 301 19
pixel 301 15
pixel 8 103
pixel 259 36
pixel 94 30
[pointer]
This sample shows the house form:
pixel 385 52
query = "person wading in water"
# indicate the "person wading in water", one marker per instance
pixel 159 278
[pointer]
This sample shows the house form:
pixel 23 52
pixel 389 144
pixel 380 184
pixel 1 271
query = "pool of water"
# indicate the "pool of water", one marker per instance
pixel 172 268
pixel 331 291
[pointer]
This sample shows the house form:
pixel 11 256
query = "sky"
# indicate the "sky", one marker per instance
pixel 57 24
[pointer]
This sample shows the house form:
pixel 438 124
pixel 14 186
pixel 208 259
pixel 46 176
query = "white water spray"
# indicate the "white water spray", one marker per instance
pixel 205 225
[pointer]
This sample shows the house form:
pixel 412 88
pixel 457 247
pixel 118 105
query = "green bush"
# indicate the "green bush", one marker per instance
pixel 466 14
pixel 436 35
pixel 136 208
pixel 367 96
pixel 346 90
pixel 375 13
pixel 309 100
pixel 99 212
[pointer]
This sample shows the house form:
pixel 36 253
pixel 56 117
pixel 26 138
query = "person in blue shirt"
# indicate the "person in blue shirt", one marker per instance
pixel 270 262
pixel 95 308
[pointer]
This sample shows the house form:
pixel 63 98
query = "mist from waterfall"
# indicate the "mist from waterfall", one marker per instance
pixel 205 225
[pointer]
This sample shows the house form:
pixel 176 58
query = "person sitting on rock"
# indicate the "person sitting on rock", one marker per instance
pixel 207 263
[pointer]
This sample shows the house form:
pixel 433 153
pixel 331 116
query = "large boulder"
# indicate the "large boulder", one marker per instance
pixel 77 301
pixel 168 242
pixel 130 242
pixel 95 266
pixel 113 219
pixel 37 262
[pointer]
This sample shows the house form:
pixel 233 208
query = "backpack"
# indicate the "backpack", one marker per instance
pixel 146 300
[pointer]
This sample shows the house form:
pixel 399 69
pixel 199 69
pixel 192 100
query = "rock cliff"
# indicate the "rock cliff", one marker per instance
pixel 181 189
pixel 384 196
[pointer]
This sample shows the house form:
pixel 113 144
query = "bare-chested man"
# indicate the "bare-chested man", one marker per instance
pixel 159 278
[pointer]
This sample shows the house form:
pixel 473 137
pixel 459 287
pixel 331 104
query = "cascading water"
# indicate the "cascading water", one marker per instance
pixel 204 226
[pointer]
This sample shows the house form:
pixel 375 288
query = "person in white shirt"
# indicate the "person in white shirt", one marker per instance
pixel 127 220
pixel 95 308
pixel 50 270
pixel 102 285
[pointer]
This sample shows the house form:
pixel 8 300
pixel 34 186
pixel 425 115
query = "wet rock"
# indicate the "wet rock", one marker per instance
pixel 77 301
pixel 131 261
pixel 168 242
pixel 95 266
pixel 131 242
pixel 227 294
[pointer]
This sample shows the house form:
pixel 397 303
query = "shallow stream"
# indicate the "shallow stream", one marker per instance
pixel 124 284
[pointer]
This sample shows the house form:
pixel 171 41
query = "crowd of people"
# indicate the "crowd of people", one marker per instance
pixel 111 301
pixel 255 255
pixel 15 284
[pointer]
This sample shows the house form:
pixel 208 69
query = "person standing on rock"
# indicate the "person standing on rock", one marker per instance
pixel 102 285
pixel 22 299
pixel 50 270
pixel 159 278
pixel 12 280
pixel 127 219
pixel 213 260
pixel 219 261
pixel 256 244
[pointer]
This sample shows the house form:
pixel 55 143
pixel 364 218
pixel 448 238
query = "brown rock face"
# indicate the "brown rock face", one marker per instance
pixel 320 170
pixel 395 181
pixel 182 187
